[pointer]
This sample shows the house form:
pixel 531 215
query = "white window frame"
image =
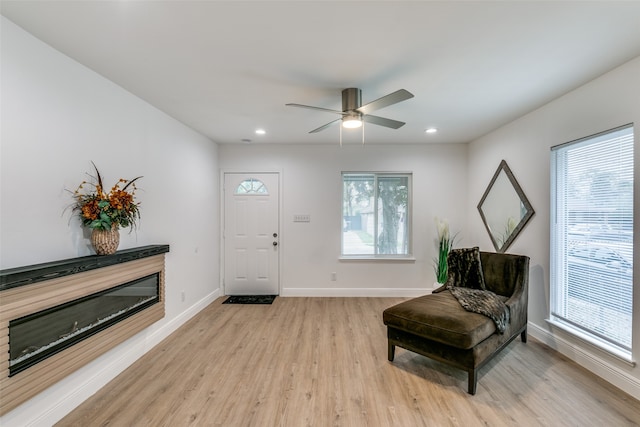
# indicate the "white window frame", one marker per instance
pixel 409 217
pixel 559 254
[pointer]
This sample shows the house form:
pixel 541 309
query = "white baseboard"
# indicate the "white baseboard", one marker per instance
pixel 355 292
pixel 56 402
pixel 157 336
pixel 590 360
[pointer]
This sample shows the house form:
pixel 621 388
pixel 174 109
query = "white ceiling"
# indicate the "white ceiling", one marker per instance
pixel 228 68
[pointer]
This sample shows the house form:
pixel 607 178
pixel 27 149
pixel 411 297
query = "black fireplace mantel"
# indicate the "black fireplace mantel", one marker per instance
pixel 21 276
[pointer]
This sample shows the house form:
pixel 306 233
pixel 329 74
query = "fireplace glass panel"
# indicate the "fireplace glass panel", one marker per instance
pixel 37 336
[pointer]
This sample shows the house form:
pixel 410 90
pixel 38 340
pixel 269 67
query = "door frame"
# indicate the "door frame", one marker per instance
pixel 224 172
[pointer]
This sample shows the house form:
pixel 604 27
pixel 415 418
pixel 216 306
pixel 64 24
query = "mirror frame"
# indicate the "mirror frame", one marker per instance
pixel 503 167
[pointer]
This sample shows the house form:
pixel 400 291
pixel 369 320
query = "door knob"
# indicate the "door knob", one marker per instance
pixel 275 243
pixel 275 234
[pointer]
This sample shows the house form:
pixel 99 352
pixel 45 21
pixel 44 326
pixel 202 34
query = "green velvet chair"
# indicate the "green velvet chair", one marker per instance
pixel 436 325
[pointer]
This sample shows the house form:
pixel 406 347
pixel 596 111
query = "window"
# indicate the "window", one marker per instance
pixel 376 214
pixel 252 186
pixel 592 238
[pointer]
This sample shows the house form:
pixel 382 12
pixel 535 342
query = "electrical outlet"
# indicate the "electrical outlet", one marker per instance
pixel 334 276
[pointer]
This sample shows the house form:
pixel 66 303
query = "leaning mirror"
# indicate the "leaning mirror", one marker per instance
pixel 504 208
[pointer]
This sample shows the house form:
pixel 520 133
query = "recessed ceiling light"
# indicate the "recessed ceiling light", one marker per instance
pixel 260 131
pixel 431 130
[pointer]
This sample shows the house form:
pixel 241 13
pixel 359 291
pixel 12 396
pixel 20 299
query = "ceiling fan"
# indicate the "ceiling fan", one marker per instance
pixel 353 113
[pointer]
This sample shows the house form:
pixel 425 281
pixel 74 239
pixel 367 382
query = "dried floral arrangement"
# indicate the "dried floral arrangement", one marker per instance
pixel 100 210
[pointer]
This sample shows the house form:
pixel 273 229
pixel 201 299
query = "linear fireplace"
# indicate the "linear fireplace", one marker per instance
pixel 62 315
pixel 36 336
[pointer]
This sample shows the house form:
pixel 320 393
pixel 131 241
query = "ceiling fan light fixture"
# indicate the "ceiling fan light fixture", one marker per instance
pixel 351 121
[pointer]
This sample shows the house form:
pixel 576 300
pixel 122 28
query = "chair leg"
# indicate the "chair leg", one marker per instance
pixel 523 335
pixel 473 381
pixel 391 352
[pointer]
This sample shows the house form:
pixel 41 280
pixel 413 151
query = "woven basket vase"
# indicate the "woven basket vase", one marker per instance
pixel 105 242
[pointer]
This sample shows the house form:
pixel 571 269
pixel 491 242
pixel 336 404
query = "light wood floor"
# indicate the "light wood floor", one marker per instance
pixel 323 362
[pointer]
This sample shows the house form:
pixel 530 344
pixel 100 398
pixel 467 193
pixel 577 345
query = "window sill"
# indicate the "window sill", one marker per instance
pixel 616 352
pixel 384 258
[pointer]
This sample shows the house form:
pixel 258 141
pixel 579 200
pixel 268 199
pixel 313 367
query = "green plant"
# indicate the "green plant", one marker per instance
pixel 101 210
pixel 445 242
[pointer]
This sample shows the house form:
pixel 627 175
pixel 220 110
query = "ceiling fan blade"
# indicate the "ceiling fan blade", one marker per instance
pixel 385 101
pixel 323 127
pixel 316 108
pixel 381 121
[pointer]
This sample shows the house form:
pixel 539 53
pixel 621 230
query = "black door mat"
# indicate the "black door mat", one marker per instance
pixel 250 299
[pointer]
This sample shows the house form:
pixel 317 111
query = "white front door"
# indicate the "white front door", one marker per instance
pixel 251 235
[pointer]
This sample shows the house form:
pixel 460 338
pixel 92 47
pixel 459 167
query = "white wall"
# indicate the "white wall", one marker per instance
pixel 311 177
pixel 57 116
pixel 607 102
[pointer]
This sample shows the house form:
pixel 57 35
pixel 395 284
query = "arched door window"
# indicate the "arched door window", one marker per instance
pixel 252 186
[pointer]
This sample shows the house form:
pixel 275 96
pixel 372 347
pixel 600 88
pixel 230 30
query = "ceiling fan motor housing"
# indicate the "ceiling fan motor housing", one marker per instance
pixel 351 99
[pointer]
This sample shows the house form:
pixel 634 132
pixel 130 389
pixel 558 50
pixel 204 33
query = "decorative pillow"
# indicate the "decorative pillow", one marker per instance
pixel 465 269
